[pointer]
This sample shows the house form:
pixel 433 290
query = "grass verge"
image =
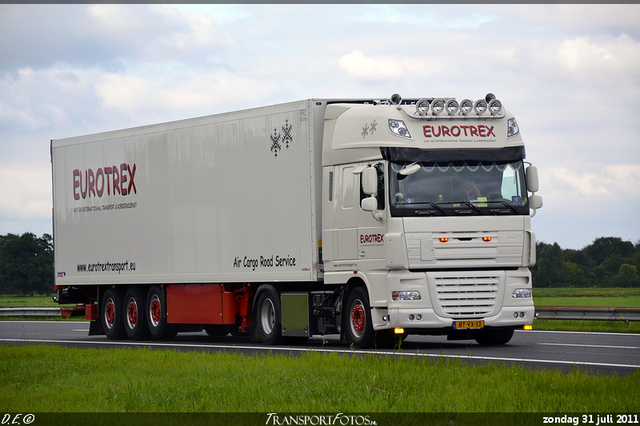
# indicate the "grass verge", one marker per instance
pixel 56 379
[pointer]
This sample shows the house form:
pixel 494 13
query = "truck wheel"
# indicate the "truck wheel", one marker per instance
pixel 157 315
pixel 359 327
pixel 493 337
pixel 111 314
pixel 133 313
pixel 268 316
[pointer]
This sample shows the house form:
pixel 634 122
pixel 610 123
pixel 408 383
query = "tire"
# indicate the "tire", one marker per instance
pixel 134 314
pixel 388 339
pixel 156 313
pixel 359 327
pixel 111 314
pixel 268 309
pixel 497 337
pixel 217 330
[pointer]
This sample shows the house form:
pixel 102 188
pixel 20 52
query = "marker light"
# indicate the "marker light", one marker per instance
pixel 487 239
pixel 528 327
pixel 398 330
pixel 437 106
pixel 466 107
pixel 422 107
pixel 452 106
pixel 480 106
pixel 444 239
pixel 512 128
pixel 495 106
pixel 406 295
pixel 399 128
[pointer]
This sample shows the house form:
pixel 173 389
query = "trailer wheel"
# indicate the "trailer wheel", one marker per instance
pixel 359 326
pixel 157 315
pixel 268 316
pixel 133 313
pixel 111 314
pixel 493 337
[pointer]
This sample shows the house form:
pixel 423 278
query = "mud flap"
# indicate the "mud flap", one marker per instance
pixel 95 328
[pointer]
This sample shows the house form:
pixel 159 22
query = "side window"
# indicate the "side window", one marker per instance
pixel 380 195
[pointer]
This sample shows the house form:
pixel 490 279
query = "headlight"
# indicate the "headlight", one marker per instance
pixel 437 106
pixel 451 106
pixel 521 293
pixel 399 128
pixel 495 106
pixel 512 128
pixel 422 107
pixel 406 295
pixel 466 107
pixel 480 106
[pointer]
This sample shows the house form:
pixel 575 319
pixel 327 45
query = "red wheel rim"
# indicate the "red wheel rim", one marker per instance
pixel 133 313
pixel 155 311
pixel 110 313
pixel 357 318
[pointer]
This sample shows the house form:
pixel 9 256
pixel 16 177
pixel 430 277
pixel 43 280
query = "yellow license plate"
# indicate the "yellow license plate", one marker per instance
pixel 458 325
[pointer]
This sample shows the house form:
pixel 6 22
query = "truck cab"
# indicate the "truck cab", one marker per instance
pixel 426 209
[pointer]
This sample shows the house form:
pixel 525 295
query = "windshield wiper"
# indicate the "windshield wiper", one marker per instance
pixel 422 203
pixel 470 205
pixel 505 204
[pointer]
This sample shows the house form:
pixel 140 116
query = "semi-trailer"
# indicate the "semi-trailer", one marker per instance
pixel 369 218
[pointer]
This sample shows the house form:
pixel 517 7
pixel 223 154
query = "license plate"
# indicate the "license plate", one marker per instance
pixel 458 325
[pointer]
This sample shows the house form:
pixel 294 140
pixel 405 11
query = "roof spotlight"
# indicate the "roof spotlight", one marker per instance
pixel 466 107
pixel 451 106
pixel 480 106
pixel 437 106
pixel 495 106
pixel 422 107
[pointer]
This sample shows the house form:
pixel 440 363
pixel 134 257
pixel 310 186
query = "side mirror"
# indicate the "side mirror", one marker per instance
pixel 369 204
pixel 370 181
pixel 532 179
pixel 535 202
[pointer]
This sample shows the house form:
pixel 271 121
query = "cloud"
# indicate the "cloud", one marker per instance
pixel 20 180
pixel 613 183
pixel 358 65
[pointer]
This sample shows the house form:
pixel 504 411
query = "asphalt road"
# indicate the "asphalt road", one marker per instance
pixel 606 353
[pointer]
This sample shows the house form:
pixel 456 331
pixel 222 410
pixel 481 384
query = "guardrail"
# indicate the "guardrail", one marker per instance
pixel 30 312
pixel 542 312
pixel 588 313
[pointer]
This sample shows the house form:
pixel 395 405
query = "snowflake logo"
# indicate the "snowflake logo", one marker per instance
pixel 369 129
pixel 365 131
pixel 275 142
pixel 287 138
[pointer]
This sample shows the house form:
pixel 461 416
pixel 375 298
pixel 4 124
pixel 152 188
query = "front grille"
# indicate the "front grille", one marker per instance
pixel 467 297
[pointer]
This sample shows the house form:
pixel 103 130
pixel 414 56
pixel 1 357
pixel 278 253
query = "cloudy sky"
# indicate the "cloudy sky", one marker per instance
pixel 569 73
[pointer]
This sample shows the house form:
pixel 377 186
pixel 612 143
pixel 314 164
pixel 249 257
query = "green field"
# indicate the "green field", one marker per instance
pixel 56 379
pixel 37 301
pixel 607 297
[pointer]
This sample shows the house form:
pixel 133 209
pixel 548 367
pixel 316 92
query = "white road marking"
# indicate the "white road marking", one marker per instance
pixel 589 346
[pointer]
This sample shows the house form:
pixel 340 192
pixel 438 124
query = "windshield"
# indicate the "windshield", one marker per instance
pixel 457 187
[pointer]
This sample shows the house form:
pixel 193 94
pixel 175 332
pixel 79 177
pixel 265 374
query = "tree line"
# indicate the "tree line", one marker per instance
pixel 26 264
pixel 607 262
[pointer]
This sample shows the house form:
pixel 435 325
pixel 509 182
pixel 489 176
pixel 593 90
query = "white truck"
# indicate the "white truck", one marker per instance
pixel 371 218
